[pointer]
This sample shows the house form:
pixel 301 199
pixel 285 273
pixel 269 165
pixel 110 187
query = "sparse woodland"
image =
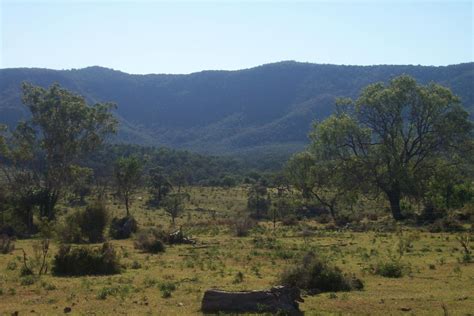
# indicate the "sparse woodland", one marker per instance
pixel 375 216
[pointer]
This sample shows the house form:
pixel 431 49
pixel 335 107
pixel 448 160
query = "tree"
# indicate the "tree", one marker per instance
pixel 128 173
pixel 322 179
pixel 81 182
pixel 258 201
pixel 281 207
pixel 180 178
pixel 394 137
pixel 61 130
pixel 174 203
pixel 159 184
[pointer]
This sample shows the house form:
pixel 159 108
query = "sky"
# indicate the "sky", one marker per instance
pixel 187 36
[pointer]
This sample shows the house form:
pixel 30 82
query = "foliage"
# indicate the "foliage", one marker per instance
pixel 282 207
pixel 69 229
pixel 390 268
pixel 62 128
pixel 258 201
pixel 242 225
pixel 446 224
pixel 268 109
pixel 322 179
pixel 128 173
pixel 315 275
pixel 173 204
pixel 87 225
pixel 464 240
pixel 93 221
pixel 39 263
pixel 122 228
pixel 392 139
pixel 150 240
pixel 86 261
pixel 159 185
pixel 7 244
pixel 81 182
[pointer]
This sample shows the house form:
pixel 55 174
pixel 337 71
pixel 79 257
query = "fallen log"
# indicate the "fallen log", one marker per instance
pixel 276 299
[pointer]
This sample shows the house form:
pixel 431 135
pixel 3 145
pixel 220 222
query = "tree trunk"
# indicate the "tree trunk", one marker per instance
pixel 29 220
pixel 394 199
pixel 47 203
pixel 127 206
pixel 332 211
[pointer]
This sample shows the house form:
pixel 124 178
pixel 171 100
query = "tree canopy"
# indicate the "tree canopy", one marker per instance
pixel 392 139
pixel 61 130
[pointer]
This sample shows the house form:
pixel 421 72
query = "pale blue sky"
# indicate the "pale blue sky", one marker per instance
pixel 183 37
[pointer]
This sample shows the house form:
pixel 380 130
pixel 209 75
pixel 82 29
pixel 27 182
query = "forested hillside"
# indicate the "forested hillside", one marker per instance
pixel 266 109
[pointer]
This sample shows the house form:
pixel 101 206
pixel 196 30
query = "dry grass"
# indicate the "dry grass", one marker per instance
pixel 436 281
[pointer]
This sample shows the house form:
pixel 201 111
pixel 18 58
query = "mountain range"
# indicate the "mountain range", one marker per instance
pixel 267 109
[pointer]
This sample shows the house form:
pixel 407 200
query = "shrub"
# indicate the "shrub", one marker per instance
pixel 84 226
pixel 390 269
pixel 324 219
pixel 93 221
pixel 150 240
pixel 242 226
pixel 38 264
pixel 7 244
pixel 290 220
pixel 239 278
pixel 122 228
pixel 167 288
pixel 136 265
pixel 28 280
pixel 446 224
pixel 86 261
pixel 69 231
pixel 11 265
pixel 8 230
pixel 316 275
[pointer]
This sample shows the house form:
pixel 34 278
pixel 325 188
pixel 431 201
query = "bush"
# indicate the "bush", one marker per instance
pixel 86 261
pixel 150 240
pixel 69 231
pixel 242 226
pixel 7 244
pixel 290 220
pixel 166 289
pixel 122 228
pixel 7 230
pixel 84 226
pixel 315 276
pixel 28 280
pixel 390 269
pixel 93 221
pixel 446 224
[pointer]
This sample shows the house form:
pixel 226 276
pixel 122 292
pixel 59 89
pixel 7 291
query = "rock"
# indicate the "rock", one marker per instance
pixel 67 309
pixel 405 309
pixel 277 299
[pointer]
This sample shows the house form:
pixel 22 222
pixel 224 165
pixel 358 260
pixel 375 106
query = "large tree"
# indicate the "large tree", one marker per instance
pixel 62 128
pixel 394 137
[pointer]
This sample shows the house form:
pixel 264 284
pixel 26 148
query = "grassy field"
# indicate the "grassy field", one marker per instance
pixel 172 283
